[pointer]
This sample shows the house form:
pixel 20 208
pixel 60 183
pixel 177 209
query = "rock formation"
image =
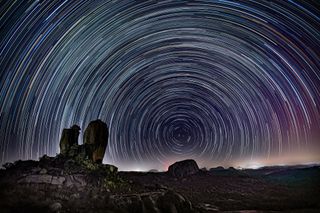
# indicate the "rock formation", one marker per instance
pixel 63 184
pixel 95 140
pixel 183 168
pixel 68 139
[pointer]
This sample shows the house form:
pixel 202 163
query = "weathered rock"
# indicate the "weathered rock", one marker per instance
pixel 56 180
pixel 35 170
pixel 48 179
pixel 206 207
pixel 68 139
pixel 149 204
pixel 75 196
pixel 43 171
pixel 80 152
pixel 183 168
pixel 109 169
pixel 55 207
pixel 36 179
pixel 74 151
pixel 75 180
pixel 96 140
pixel 172 202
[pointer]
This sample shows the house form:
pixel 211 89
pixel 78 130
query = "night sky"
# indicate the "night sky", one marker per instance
pixel 232 83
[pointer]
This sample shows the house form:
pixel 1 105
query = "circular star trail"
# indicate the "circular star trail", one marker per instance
pixel 216 81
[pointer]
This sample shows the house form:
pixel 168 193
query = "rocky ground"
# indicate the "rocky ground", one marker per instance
pixel 231 190
pixel 62 184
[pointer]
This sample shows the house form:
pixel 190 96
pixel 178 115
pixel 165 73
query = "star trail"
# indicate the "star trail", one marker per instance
pixel 220 82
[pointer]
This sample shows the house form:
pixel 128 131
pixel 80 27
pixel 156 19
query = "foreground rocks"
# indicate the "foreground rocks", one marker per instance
pixel 77 181
pixel 64 184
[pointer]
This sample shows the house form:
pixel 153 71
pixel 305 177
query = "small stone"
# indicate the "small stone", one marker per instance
pixel 57 180
pixel 43 171
pixel 75 196
pixel 35 170
pixel 162 187
pixel 56 207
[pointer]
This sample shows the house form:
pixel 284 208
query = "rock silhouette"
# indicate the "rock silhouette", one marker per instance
pixel 219 168
pixel 183 168
pixel 68 139
pixel 96 140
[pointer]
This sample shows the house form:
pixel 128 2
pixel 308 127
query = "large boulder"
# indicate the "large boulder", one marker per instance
pixel 69 138
pixel 96 140
pixel 183 168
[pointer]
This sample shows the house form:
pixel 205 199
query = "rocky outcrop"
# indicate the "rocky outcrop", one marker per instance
pixel 57 184
pixel 96 140
pixel 64 184
pixel 61 171
pixel 68 139
pixel 77 179
pixel 183 168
